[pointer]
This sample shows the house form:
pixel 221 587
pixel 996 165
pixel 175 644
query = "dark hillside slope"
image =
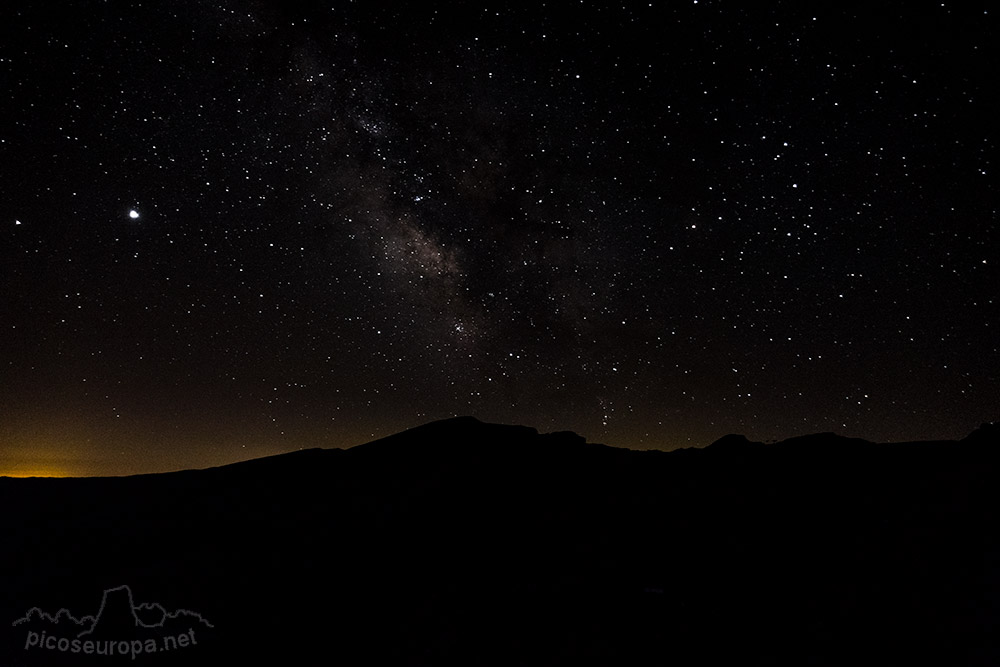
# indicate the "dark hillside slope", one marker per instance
pixel 475 543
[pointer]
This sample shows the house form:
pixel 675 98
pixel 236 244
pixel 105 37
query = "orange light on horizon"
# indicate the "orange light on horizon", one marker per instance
pixel 38 472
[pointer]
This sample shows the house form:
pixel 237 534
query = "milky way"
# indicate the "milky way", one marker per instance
pixel 653 225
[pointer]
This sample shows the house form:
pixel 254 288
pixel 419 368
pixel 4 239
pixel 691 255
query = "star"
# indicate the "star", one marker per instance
pixel 134 214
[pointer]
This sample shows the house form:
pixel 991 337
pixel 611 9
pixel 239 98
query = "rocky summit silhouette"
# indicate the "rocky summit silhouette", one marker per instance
pixel 116 616
pixel 484 544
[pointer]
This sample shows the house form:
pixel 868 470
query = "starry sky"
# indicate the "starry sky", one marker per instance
pixel 233 229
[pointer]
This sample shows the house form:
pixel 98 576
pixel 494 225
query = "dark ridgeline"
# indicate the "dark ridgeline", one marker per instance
pixel 477 544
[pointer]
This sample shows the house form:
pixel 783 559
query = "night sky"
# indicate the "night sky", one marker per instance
pixel 233 229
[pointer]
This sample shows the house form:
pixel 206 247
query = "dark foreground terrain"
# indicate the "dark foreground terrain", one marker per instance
pixel 467 543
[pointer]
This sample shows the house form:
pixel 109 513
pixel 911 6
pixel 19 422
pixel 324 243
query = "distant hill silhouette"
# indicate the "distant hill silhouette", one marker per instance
pixel 472 543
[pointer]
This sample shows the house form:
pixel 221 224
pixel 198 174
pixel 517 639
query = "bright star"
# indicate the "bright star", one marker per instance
pixel 134 214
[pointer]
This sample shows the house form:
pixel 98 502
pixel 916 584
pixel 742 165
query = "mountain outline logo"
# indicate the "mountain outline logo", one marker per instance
pixel 120 626
pixel 153 610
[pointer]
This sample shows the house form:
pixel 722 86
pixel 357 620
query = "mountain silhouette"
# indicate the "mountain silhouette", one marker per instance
pixel 116 616
pixel 461 541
